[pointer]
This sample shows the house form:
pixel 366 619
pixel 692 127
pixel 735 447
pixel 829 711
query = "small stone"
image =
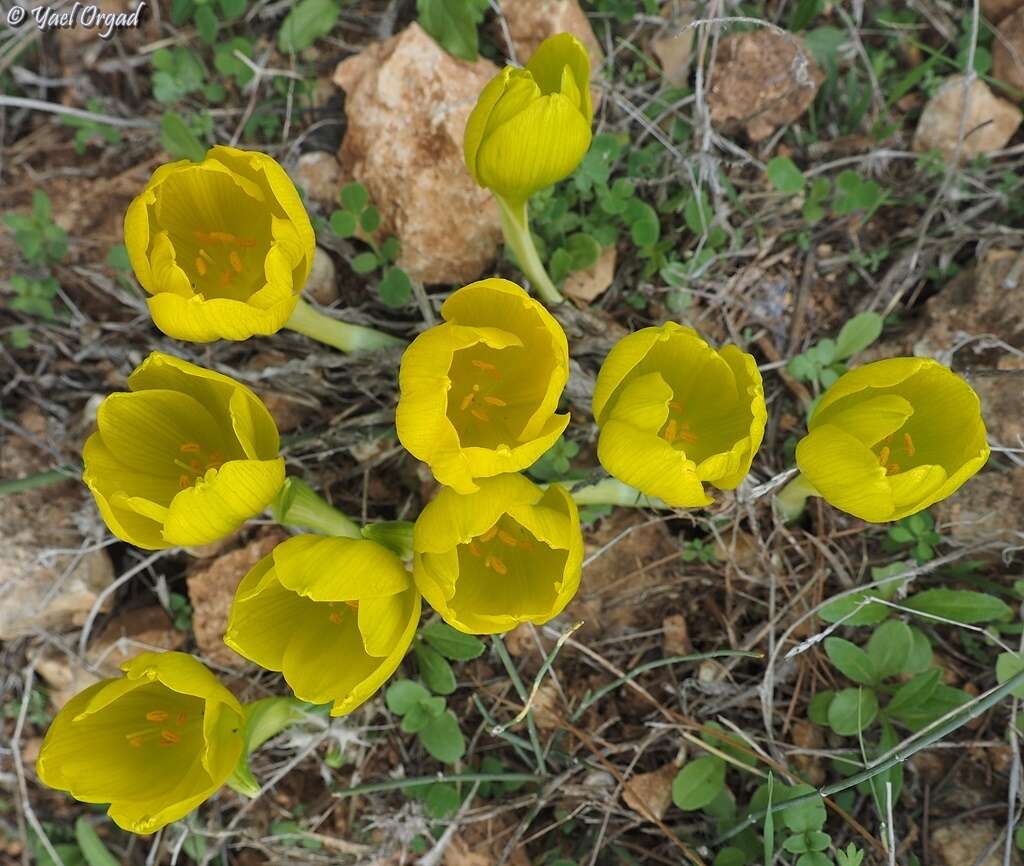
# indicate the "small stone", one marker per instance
pixel 287 411
pixel 989 124
pixel 676 641
pixel 590 283
pixel 530 22
pixel 211 590
pixel 322 284
pixel 1008 50
pixel 762 80
pixel 407 102
pixel 319 175
pixel 995 10
pixel 547 707
pixel 965 842
pixel 650 794
pixel 674 45
pixel 980 511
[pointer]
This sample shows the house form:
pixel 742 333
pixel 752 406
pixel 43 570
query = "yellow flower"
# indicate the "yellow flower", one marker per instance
pixel 185 457
pixel 531 127
pixel 675 413
pixel 893 437
pixel 479 392
pixel 154 744
pixel 507 554
pixel 334 615
pixel 224 246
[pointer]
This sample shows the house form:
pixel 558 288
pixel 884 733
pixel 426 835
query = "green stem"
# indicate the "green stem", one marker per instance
pixel 300 506
pixel 309 321
pixel 515 224
pixel 792 499
pixel 396 535
pixel 39 479
pixel 611 491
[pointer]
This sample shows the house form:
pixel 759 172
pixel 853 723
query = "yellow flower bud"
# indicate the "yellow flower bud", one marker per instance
pixel 508 554
pixel 185 457
pixel 479 392
pixel 154 744
pixel 334 615
pixel 223 246
pixel 675 413
pixel 893 437
pixel 531 127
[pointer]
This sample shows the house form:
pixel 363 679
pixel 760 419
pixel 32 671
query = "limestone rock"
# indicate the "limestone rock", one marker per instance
pixel 761 80
pixel 407 101
pixel 989 124
pixel 322 283
pixel 589 284
pixel 984 509
pixel 320 176
pixel 530 22
pixel 674 45
pixel 650 794
pixel 1008 50
pixel 965 842
pixel 211 590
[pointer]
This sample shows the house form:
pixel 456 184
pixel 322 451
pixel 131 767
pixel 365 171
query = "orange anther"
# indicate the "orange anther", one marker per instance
pixel 466 401
pixel 687 436
pixel 245 242
pixel 222 237
pixel 483 365
pixel 908 445
pixel 353 604
pixel 190 448
pixel 496 564
pixel 193 464
pixel 201 266
pixel 157 715
pixel 135 742
pixel 675 404
pixel 495 401
pixel 507 538
pixel 489 534
pixel 182 718
pixel 473 548
pixel 335 617
pixel 236 261
pixel 883 455
pixel 169 738
pixel 480 416
pixel 892 469
pixel 670 431
pixel 184 481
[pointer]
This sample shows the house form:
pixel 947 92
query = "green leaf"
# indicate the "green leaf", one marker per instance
pixel 851 661
pixel 232 8
pixel 805 817
pixel 118 259
pixel 453 23
pixel 364 263
pixel 889 647
pixel 206 24
pixel 370 220
pixel 731 857
pixel 91 846
pixel 178 140
pixel 421 714
pixel 852 710
pixel 452 644
pixel 698 783
pixel 803 13
pixel 441 800
pixel 920 658
pixel 267 717
pixel 583 250
pixel 435 670
pixel 403 695
pixel 443 739
pixel 785 176
pixel 644 225
pixel 857 334
pixel 355 197
pixel 307 21
pixel 917 691
pixel 943 699
pixel 343 223
pixel 1008 665
pixel 959 605
pixel 395 287
pixel 817 709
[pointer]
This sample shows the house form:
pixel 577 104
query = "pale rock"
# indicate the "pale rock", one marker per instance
pixel 319 174
pixel 407 102
pixel 650 794
pixel 530 22
pixel 761 80
pixel 989 124
pixel 984 510
pixel 964 843
pixel 211 591
pixel 590 283
pixel 675 636
pixel 1008 50
pixel 322 283
pixel 673 46
pixel 995 10
pixel 547 707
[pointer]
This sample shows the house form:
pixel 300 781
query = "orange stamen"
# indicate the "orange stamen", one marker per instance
pixel 193 464
pixel 201 267
pixel 236 262
pixel 225 279
pixel 483 365
pixel 687 436
pixel 892 469
pixel 135 742
pixel 466 401
pixel 495 401
pixel 184 481
pixel 473 548
pixel 157 716
pixel 182 718
pixel 675 404
pixel 335 617
pixel 489 534
pixel 169 738
pixel 670 431
pixel 496 564
pixel 480 416
pixel 883 455
pixel 190 448
pixel 908 445
pixel 507 538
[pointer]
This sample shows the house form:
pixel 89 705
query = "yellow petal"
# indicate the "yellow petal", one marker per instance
pixel 222 501
pixel 869 421
pixel 553 57
pixel 643 403
pixel 479 117
pixel 879 374
pixel 338 569
pixel 846 473
pixel 625 355
pixel 202 321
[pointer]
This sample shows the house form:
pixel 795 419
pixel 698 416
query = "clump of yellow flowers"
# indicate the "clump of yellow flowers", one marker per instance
pixel 187 455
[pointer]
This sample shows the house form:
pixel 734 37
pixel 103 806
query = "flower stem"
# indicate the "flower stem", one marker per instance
pixel 311 322
pixel 395 535
pixel 300 506
pixel 792 499
pixel 611 491
pixel 515 224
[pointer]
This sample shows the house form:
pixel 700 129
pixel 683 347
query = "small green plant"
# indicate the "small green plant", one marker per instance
pixel 41 240
pixel 358 216
pixel 180 611
pixel 556 462
pixel 916 533
pixel 91 131
pixel 699 550
pixel 453 23
pixel 825 361
pixel 37 712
